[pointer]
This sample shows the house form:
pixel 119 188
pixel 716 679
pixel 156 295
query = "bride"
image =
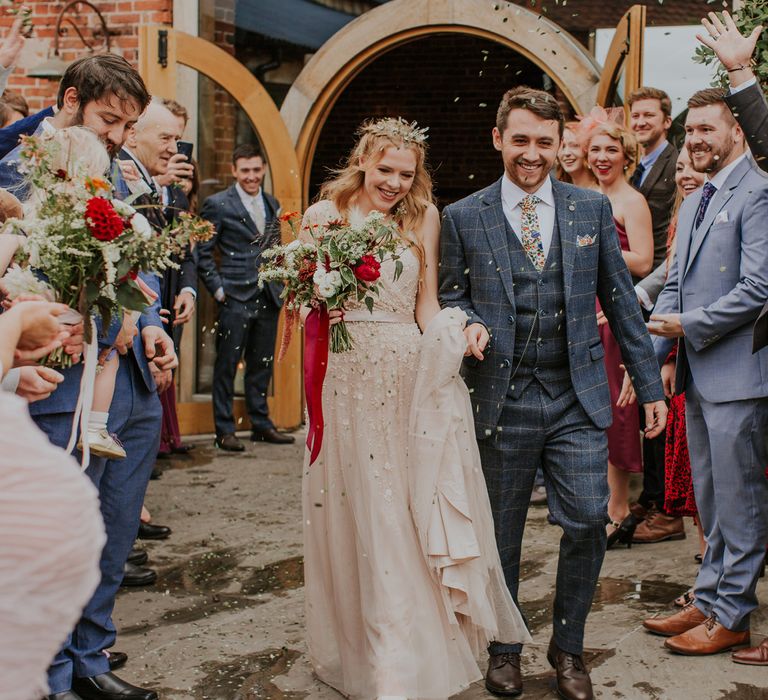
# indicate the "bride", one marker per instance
pixel 403 581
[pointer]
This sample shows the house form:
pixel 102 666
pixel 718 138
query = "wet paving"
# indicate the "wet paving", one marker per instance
pixel 225 620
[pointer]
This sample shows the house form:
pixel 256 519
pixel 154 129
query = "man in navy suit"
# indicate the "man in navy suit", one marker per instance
pixel 526 259
pixel 246 221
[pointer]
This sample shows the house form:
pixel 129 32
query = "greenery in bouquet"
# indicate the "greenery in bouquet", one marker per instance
pixel 334 264
pixel 85 247
pixel 751 14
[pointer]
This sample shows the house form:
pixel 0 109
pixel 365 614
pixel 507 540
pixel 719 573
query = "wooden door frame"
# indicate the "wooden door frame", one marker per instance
pixel 625 52
pixel 161 48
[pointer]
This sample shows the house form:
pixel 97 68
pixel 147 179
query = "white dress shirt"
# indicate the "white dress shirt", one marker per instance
pixel 512 195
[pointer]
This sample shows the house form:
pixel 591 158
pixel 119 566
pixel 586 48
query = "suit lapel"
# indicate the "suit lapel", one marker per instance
pixel 721 198
pixel 240 210
pixel 494 223
pixel 657 170
pixel 564 215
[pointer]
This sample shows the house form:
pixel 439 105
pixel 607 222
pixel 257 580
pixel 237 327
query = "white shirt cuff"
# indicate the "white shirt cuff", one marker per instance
pixel 191 290
pixel 645 300
pixel 11 380
pixel 743 86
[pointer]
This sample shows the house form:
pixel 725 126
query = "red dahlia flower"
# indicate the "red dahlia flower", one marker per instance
pixel 103 222
pixel 368 269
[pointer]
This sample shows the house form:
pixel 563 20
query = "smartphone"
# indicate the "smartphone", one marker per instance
pixel 185 148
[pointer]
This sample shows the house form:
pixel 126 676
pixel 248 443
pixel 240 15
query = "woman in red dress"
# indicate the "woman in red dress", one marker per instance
pixel 612 154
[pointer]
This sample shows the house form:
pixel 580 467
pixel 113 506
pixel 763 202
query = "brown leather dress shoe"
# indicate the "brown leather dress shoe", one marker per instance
pixel 710 637
pixel 230 443
pixel 639 511
pixel 271 435
pixel 503 677
pixel 752 656
pixel 658 527
pixel 573 681
pixel 688 618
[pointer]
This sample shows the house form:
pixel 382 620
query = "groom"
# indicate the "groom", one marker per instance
pixel 525 258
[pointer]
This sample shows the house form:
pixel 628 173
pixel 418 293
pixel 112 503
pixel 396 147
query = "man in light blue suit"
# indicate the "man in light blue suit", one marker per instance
pixel 716 288
pixel 526 258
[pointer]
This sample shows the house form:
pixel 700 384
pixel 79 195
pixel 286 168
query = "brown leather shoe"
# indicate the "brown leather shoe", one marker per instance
pixel 573 681
pixel 710 637
pixel 271 435
pixel 230 443
pixel 658 527
pixel 639 511
pixel 503 677
pixel 688 618
pixel 752 656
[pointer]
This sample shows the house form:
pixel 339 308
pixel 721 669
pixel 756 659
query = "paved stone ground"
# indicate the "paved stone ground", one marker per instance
pixel 225 621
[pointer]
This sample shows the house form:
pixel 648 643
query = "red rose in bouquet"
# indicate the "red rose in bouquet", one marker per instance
pixel 368 269
pixel 104 223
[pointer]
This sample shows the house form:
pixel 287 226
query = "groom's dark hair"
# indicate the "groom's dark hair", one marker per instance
pixel 541 103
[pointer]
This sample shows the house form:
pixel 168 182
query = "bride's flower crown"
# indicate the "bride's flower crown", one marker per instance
pixel 396 128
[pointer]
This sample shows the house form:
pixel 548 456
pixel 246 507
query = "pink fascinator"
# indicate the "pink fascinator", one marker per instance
pixel 598 116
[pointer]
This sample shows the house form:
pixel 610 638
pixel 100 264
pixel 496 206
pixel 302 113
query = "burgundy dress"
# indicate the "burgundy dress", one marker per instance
pixel 624 434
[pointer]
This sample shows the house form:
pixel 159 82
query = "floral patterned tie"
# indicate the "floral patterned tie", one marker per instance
pixel 531 231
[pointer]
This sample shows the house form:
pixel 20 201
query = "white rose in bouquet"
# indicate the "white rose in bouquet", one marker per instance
pixel 141 226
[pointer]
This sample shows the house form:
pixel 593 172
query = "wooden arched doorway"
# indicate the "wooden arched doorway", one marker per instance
pixel 315 91
pixel 160 50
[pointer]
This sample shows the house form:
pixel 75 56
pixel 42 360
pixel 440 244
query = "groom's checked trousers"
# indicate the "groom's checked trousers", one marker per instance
pixel 556 434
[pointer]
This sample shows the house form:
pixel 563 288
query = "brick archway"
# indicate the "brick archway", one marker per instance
pixel 349 51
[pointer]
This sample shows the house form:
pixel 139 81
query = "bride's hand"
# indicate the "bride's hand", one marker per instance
pixel 336 316
pixel 477 340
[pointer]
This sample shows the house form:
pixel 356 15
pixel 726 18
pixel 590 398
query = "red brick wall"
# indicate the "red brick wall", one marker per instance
pixel 122 17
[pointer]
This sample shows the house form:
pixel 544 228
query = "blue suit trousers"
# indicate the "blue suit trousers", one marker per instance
pixel 135 417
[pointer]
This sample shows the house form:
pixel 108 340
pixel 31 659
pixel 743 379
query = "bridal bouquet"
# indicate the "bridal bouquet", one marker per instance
pixel 81 247
pixel 341 262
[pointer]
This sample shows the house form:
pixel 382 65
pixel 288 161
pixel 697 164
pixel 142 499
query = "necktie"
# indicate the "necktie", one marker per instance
pixel 637 176
pixel 531 230
pixel 706 198
pixel 257 213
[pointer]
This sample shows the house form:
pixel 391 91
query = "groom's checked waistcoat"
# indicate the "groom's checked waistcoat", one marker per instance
pixel 541 344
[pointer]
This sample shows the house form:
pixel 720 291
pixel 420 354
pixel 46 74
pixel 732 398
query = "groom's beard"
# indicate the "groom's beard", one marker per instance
pixel 112 148
pixel 528 173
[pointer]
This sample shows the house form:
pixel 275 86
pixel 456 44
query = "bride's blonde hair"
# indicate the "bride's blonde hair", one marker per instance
pixel 374 137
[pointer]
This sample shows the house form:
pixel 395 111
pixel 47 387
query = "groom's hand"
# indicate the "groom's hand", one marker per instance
pixel 655 418
pixel 477 340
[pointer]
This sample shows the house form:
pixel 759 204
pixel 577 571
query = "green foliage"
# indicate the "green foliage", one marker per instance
pixel 751 14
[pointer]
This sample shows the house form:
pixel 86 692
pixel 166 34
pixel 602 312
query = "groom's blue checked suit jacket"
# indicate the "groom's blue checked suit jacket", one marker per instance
pixel 476 276
pixel 719 283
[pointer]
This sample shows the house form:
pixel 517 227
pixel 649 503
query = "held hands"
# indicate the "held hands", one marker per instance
pixel 477 340
pixel 666 325
pixel 723 37
pixel 163 378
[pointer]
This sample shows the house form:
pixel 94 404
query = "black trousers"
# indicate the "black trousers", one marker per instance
pixel 246 331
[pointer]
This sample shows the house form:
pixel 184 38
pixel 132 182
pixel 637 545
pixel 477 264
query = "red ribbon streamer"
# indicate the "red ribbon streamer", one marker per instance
pixel 316 336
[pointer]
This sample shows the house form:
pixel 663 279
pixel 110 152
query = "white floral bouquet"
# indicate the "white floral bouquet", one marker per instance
pixel 338 262
pixel 85 249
